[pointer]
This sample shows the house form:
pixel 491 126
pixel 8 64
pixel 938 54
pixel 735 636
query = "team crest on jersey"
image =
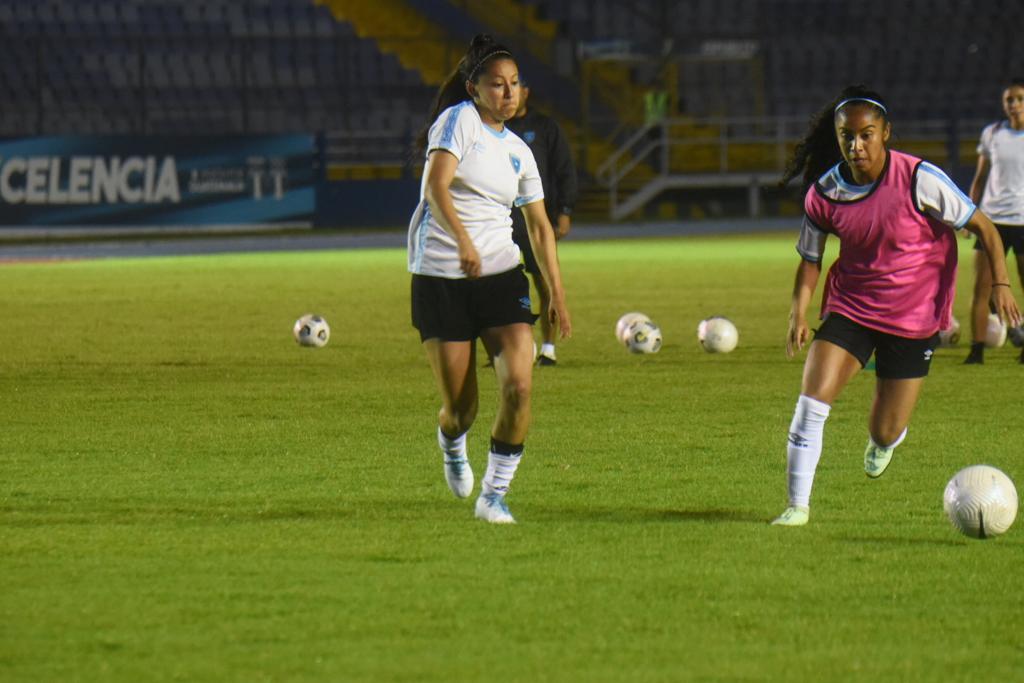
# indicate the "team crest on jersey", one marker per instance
pixel 529 136
pixel 516 164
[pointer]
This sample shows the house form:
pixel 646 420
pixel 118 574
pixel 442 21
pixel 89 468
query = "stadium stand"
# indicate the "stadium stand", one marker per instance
pixel 177 66
pixel 363 73
pixel 936 58
pixel 127 64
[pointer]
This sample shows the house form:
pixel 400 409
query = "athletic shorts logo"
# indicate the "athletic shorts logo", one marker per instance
pixel 516 165
pixel 529 136
pixel 928 355
pixel 524 301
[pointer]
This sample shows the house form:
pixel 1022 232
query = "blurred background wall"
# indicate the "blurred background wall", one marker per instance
pixel 676 110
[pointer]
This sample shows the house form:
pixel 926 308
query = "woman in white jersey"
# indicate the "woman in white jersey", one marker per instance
pixel 467 280
pixel 998 190
pixel 890 290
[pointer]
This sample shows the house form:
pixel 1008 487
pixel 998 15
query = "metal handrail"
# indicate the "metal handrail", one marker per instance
pixel 604 171
pixel 779 133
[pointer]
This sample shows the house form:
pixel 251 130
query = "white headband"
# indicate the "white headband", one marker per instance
pixel 861 99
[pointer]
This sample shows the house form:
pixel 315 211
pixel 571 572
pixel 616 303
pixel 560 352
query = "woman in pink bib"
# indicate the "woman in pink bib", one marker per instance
pixel 891 289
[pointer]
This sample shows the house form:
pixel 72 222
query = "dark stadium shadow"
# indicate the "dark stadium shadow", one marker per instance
pixel 42 517
pixel 648 515
pixel 712 515
pixel 900 540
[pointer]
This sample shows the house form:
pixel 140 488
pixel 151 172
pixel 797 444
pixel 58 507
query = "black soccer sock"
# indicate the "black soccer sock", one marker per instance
pixel 503 448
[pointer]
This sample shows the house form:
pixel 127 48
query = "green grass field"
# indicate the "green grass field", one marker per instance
pixel 188 495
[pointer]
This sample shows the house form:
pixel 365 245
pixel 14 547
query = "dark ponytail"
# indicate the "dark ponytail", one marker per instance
pixel 819 150
pixel 481 50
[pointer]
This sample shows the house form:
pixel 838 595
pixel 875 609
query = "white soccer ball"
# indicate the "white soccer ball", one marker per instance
pixel 717 335
pixel 980 501
pixel 951 335
pixel 311 330
pixel 995 332
pixel 625 321
pixel 643 336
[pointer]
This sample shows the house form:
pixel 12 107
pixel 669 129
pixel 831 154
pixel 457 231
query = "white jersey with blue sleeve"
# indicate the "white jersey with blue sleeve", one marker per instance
pixel 1003 199
pixel 496 172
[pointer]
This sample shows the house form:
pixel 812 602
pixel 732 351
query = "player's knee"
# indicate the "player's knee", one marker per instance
pixel 458 419
pixel 515 393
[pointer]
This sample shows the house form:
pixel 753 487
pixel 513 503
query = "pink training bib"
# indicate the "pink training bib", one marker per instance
pixel 896 269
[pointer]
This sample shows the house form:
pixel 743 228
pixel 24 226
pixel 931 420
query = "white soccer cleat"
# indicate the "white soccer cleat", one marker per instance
pixel 459 475
pixel 794 515
pixel 491 507
pixel 877 459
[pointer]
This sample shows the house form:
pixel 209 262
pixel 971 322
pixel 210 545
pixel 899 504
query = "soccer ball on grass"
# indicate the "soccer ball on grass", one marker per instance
pixel 995 332
pixel 717 335
pixel 643 336
pixel 980 501
pixel 622 326
pixel 951 335
pixel 311 330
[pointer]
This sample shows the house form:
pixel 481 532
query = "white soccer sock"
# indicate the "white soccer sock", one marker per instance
pixel 547 349
pixel 804 448
pixel 452 448
pixel 894 444
pixel 501 469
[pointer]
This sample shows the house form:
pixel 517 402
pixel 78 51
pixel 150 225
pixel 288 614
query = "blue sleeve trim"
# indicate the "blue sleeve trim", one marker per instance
pixel 449 125
pixel 421 238
pixel 967 220
pixel 808 257
pixel 938 173
pixel 523 201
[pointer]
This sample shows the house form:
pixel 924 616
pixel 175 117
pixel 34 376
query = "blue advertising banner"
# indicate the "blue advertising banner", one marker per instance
pixel 157 180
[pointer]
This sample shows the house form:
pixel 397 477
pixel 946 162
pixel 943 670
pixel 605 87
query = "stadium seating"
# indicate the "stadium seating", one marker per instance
pixel 179 66
pixel 227 66
pixel 931 58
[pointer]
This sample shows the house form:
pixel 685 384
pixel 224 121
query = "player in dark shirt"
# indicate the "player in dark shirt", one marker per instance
pixel 558 175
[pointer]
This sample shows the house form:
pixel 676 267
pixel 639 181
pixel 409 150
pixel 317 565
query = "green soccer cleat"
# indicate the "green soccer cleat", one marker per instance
pixel 877 459
pixel 794 515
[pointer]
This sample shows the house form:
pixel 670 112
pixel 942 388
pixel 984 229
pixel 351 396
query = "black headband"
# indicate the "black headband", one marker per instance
pixel 499 51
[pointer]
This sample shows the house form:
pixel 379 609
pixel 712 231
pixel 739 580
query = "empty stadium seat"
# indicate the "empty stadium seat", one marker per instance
pixel 163 64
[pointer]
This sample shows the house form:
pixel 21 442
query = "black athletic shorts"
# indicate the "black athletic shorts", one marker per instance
pixel 521 237
pixel 895 357
pixel 1012 236
pixel 458 309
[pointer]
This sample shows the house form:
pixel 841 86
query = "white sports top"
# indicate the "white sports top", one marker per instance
pixel 1003 200
pixel 496 171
